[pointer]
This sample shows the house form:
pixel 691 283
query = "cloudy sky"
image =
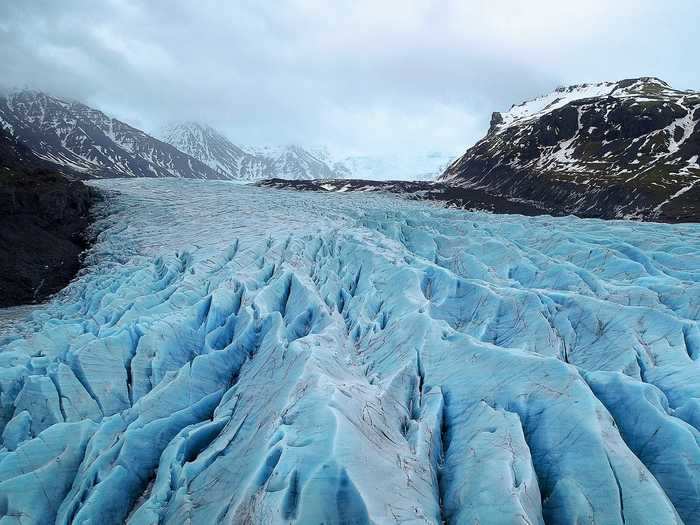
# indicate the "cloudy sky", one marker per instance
pixel 360 76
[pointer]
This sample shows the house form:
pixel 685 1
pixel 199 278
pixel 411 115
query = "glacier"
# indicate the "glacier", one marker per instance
pixel 234 354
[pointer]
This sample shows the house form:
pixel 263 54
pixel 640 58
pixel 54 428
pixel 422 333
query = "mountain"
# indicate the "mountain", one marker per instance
pixel 398 167
pixel 293 162
pixel 82 139
pixel 406 166
pixel 17 158
pixel 216 151
pixel 233 162
pixel 611 150
pixel 296 163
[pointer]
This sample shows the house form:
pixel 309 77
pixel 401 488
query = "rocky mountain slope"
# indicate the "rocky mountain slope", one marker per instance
pixel 43 218
pixel 614 149
pixel 233 162
pixel 76 137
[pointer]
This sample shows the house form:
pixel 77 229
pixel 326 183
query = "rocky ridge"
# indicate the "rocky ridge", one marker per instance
pixel 626 149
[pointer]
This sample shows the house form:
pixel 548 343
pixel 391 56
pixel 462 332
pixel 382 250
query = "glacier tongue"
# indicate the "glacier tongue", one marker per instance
pixel 246 355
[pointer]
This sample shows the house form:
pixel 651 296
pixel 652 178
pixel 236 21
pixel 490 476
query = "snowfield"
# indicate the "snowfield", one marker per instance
pixel 245 355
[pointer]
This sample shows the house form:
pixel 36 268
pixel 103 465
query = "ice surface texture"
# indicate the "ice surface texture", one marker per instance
pixel 247 355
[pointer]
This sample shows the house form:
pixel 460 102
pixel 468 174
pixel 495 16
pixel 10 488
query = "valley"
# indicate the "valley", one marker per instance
pixel 268 356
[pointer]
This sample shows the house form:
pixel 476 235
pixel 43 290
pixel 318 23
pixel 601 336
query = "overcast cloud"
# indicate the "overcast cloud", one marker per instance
pixel 358 76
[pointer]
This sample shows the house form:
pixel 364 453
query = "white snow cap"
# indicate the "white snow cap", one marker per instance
pixel 562 96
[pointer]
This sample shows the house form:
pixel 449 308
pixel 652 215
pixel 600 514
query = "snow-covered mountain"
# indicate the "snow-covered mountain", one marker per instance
pixel 630 148
pixel 398 167
pixel 216 151
pixel 296 163
pixel 407 166
pixel 79 138
pixel 250 163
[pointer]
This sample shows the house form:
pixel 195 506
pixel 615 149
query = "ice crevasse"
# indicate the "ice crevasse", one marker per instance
pixel 244 355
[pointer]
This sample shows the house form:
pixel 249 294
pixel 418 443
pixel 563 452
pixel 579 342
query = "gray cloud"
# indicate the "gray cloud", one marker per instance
pixel 360 76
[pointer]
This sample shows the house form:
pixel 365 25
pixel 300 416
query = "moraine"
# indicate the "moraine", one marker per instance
pixel 247 355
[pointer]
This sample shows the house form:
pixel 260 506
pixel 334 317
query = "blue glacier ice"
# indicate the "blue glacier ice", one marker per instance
pixel 244 355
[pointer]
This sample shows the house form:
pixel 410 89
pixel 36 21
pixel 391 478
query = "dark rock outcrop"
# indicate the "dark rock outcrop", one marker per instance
pixel 43 221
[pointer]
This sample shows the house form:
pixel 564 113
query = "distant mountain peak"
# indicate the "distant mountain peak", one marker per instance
pixel 82 139
pixel 247 163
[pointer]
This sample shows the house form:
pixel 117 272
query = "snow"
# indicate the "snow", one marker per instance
pixel 266 150
pixel 244 163
pixel 686 123
pixel 408 165
pixel 7 126
pixel 536 107
pixel 564 153
pixel 246 355
pixel 78 137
